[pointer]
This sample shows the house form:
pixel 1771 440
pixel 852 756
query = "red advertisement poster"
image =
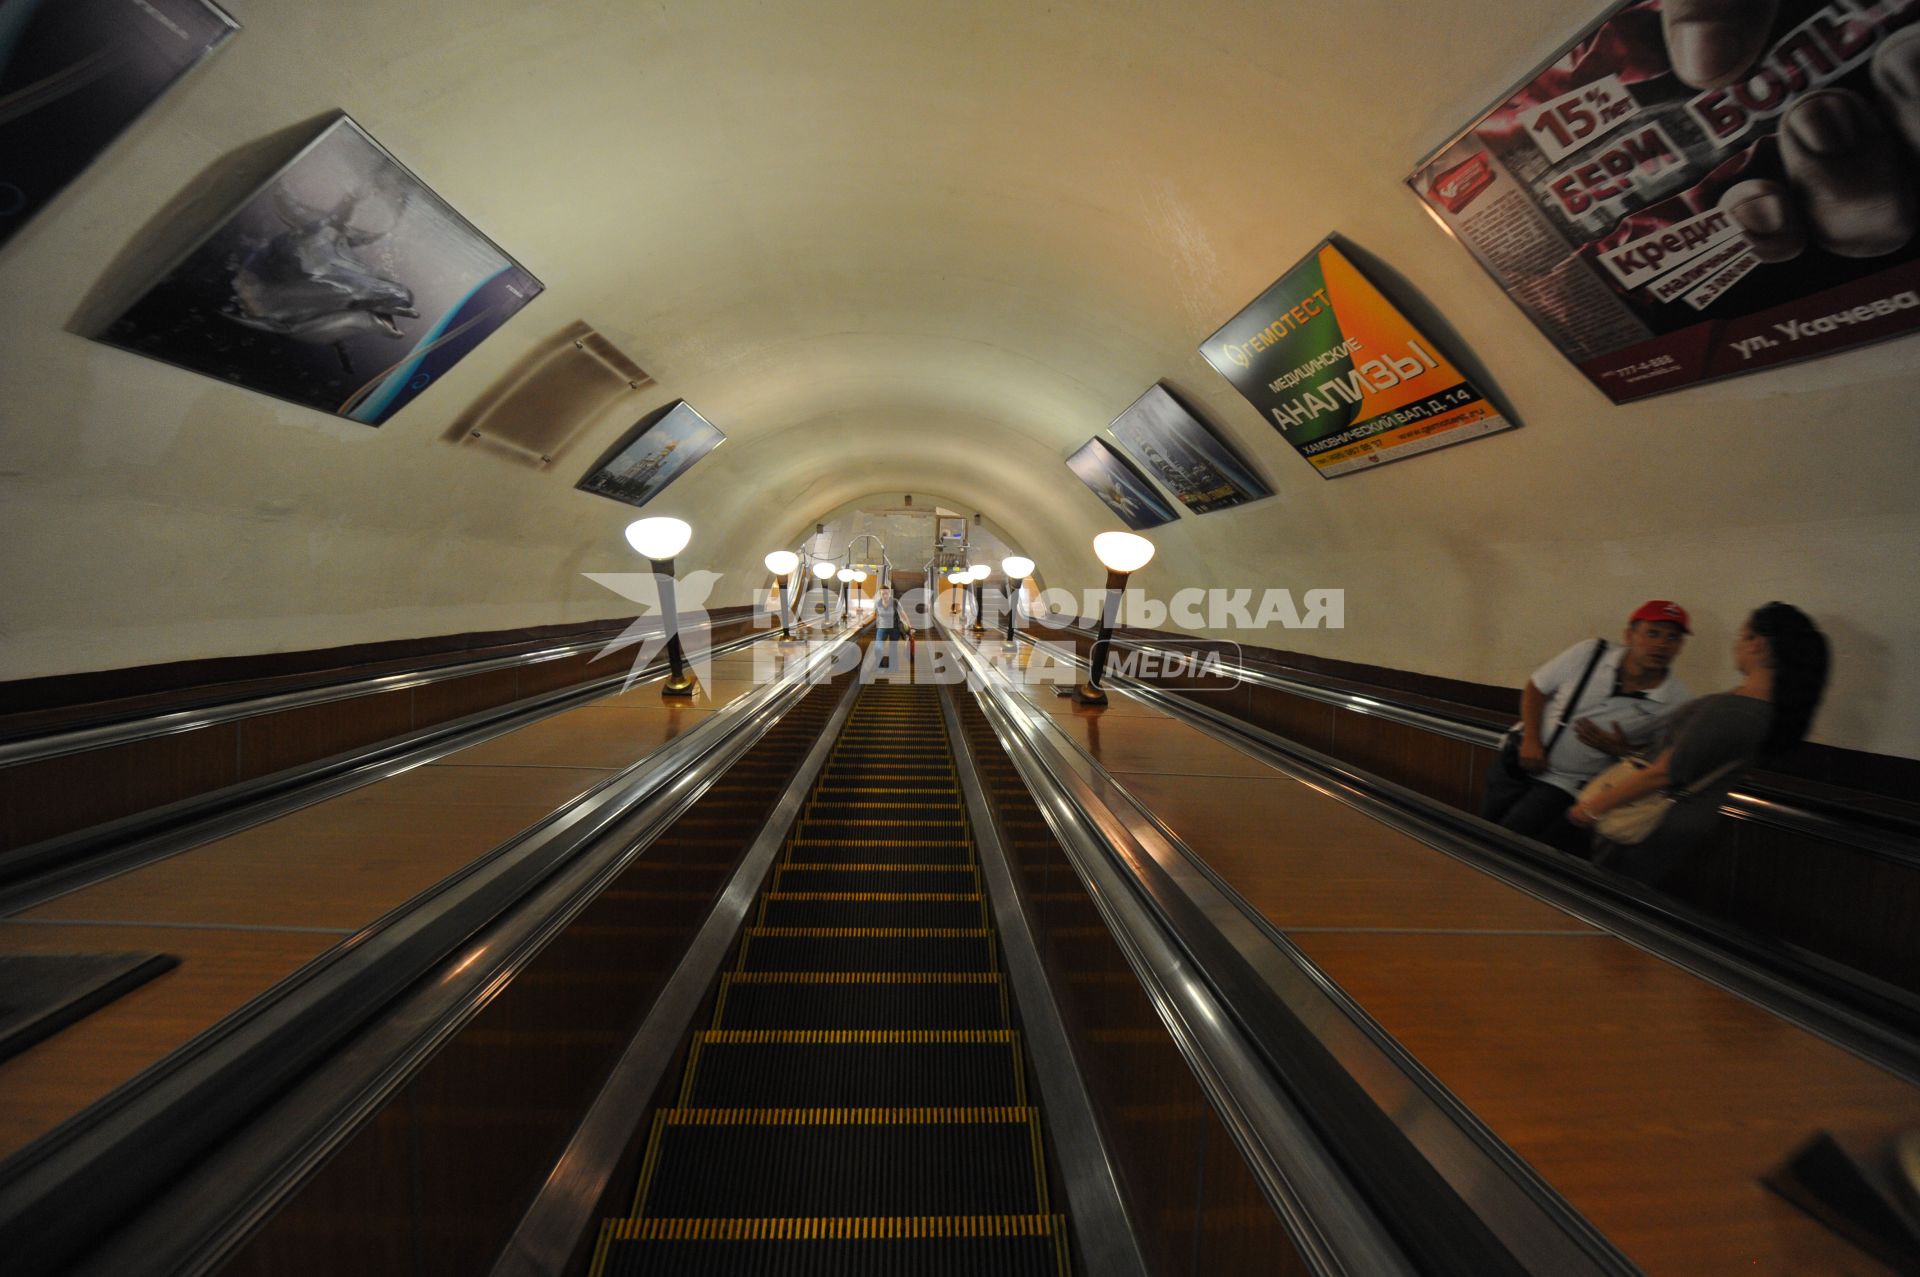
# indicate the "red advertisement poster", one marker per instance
pixel 1694 190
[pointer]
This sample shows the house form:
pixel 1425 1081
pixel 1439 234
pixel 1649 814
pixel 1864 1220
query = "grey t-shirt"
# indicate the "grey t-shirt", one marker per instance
pixel 1708 733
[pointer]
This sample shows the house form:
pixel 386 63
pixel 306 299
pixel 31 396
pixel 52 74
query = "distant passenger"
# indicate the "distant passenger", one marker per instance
pixel 1782 659
pixel 1592 704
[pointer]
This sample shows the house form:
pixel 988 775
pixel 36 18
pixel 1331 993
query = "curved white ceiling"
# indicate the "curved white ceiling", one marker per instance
pixel 909 248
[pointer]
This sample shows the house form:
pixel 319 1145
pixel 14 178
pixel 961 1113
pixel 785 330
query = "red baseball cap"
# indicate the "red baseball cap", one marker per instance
pixel 1661 610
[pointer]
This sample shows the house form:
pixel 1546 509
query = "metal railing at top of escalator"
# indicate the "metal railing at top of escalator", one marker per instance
pixel 65 1191
pixel 1395 1177
pixel 1751 799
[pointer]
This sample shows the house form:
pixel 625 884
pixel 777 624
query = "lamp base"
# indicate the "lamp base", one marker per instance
pixel 681 685
pixel 1088 694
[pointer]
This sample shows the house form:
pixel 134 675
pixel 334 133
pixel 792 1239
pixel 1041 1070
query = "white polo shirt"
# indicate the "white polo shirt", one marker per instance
pixel 1573 762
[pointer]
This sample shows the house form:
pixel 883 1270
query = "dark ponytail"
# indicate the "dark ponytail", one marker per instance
pixel 1800 657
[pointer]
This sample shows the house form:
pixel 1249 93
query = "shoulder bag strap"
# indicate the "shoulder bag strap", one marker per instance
pixel 1599 650
pixel 1706 781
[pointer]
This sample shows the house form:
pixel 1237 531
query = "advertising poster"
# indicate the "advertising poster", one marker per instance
pixel 1344 376
pixel 74 74
pixel 661 452
pixel 1695 190
pixel 343 284
pixel 1124 489
pixel 1198 467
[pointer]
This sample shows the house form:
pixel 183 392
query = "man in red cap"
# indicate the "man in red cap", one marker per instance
pixel 1593 703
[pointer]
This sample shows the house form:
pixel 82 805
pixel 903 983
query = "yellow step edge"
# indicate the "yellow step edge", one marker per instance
pixel 861 977
pixel 846 1228
pixel 853 1037
pixel 863 866
pixel 886 933
pixel 875 896
pixel 995 1115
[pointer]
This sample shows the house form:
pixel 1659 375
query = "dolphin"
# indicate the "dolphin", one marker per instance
pixel 309 285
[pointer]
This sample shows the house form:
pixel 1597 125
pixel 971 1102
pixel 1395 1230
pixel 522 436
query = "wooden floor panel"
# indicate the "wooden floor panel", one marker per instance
pixel 246 910
pixel 1119 705
pixel 218 971
pixel 723 687
pixel 591 736
pixel 1652 1100
pixel 1124 744
pixel 1308 860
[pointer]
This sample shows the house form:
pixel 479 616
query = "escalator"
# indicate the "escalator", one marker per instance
pixel 859 1102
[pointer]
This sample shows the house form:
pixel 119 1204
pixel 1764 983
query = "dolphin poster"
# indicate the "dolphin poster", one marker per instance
pixel 344 284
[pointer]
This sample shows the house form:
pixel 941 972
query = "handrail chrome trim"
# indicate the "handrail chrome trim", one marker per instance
pixel 1336 1233
pixel 1096 1205
pixel 1759 803
pixel 545 1240
pixel 69 1188
pixel 1528 1216
pixel 98 852
pixel 174 722
pixel 1697 944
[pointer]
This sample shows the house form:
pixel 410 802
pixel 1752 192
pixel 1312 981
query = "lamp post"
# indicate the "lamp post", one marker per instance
pixel 823 572
pixel 1123 554
pixel 659 539
pixel 859 578
pixel 1017 568
pixel 978 574
pixel 782 563
pixel 846 583
pixel 959 580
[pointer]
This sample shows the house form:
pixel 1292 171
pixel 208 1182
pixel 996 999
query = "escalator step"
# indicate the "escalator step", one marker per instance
pixel 866 949
pixel 757 1163
pixel 872 909
pixel 854 1068
pixel 860 1000
pixel 867 851
pixel 803 876
pixel 880 809
pixel 816 829
pixel 930 1246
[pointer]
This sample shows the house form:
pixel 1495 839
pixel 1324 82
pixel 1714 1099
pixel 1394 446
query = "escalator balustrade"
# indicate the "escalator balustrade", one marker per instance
pixel 859 1104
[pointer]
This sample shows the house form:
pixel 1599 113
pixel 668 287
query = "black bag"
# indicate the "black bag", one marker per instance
pixel 1507 780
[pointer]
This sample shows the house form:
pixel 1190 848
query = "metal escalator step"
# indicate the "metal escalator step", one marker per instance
pixel 926 851
pixel 805 876
pixel 930 1246
pixel 758 1163
pixel 800 1068
pixel 867 949
pixel 860 1000
pixel 872 909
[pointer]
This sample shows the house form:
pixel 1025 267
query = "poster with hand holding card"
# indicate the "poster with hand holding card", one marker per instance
pixel 1694 189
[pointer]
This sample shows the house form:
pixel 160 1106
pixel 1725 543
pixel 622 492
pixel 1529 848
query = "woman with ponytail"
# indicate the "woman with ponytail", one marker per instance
pixel 1782 659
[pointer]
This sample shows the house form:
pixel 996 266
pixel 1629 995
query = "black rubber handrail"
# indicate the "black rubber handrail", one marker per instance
pixel 1888 835
pixel 1869 1016
pixel 67 1190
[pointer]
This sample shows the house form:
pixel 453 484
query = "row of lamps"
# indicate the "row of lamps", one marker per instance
pixel 660 538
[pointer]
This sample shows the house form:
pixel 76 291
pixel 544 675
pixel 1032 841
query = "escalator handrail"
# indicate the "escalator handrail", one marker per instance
pixel 1858 1012
pixel 34 872
pixel 549 1231
pixel 68 1189
pixel 1333 1222
pixel 1751 798
pixel 38 747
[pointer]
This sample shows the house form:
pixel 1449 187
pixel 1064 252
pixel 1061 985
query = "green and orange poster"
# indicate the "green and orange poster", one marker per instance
pixel 1343 375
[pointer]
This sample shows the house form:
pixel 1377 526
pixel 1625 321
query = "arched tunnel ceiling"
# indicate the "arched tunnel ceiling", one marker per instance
pixel 916 248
